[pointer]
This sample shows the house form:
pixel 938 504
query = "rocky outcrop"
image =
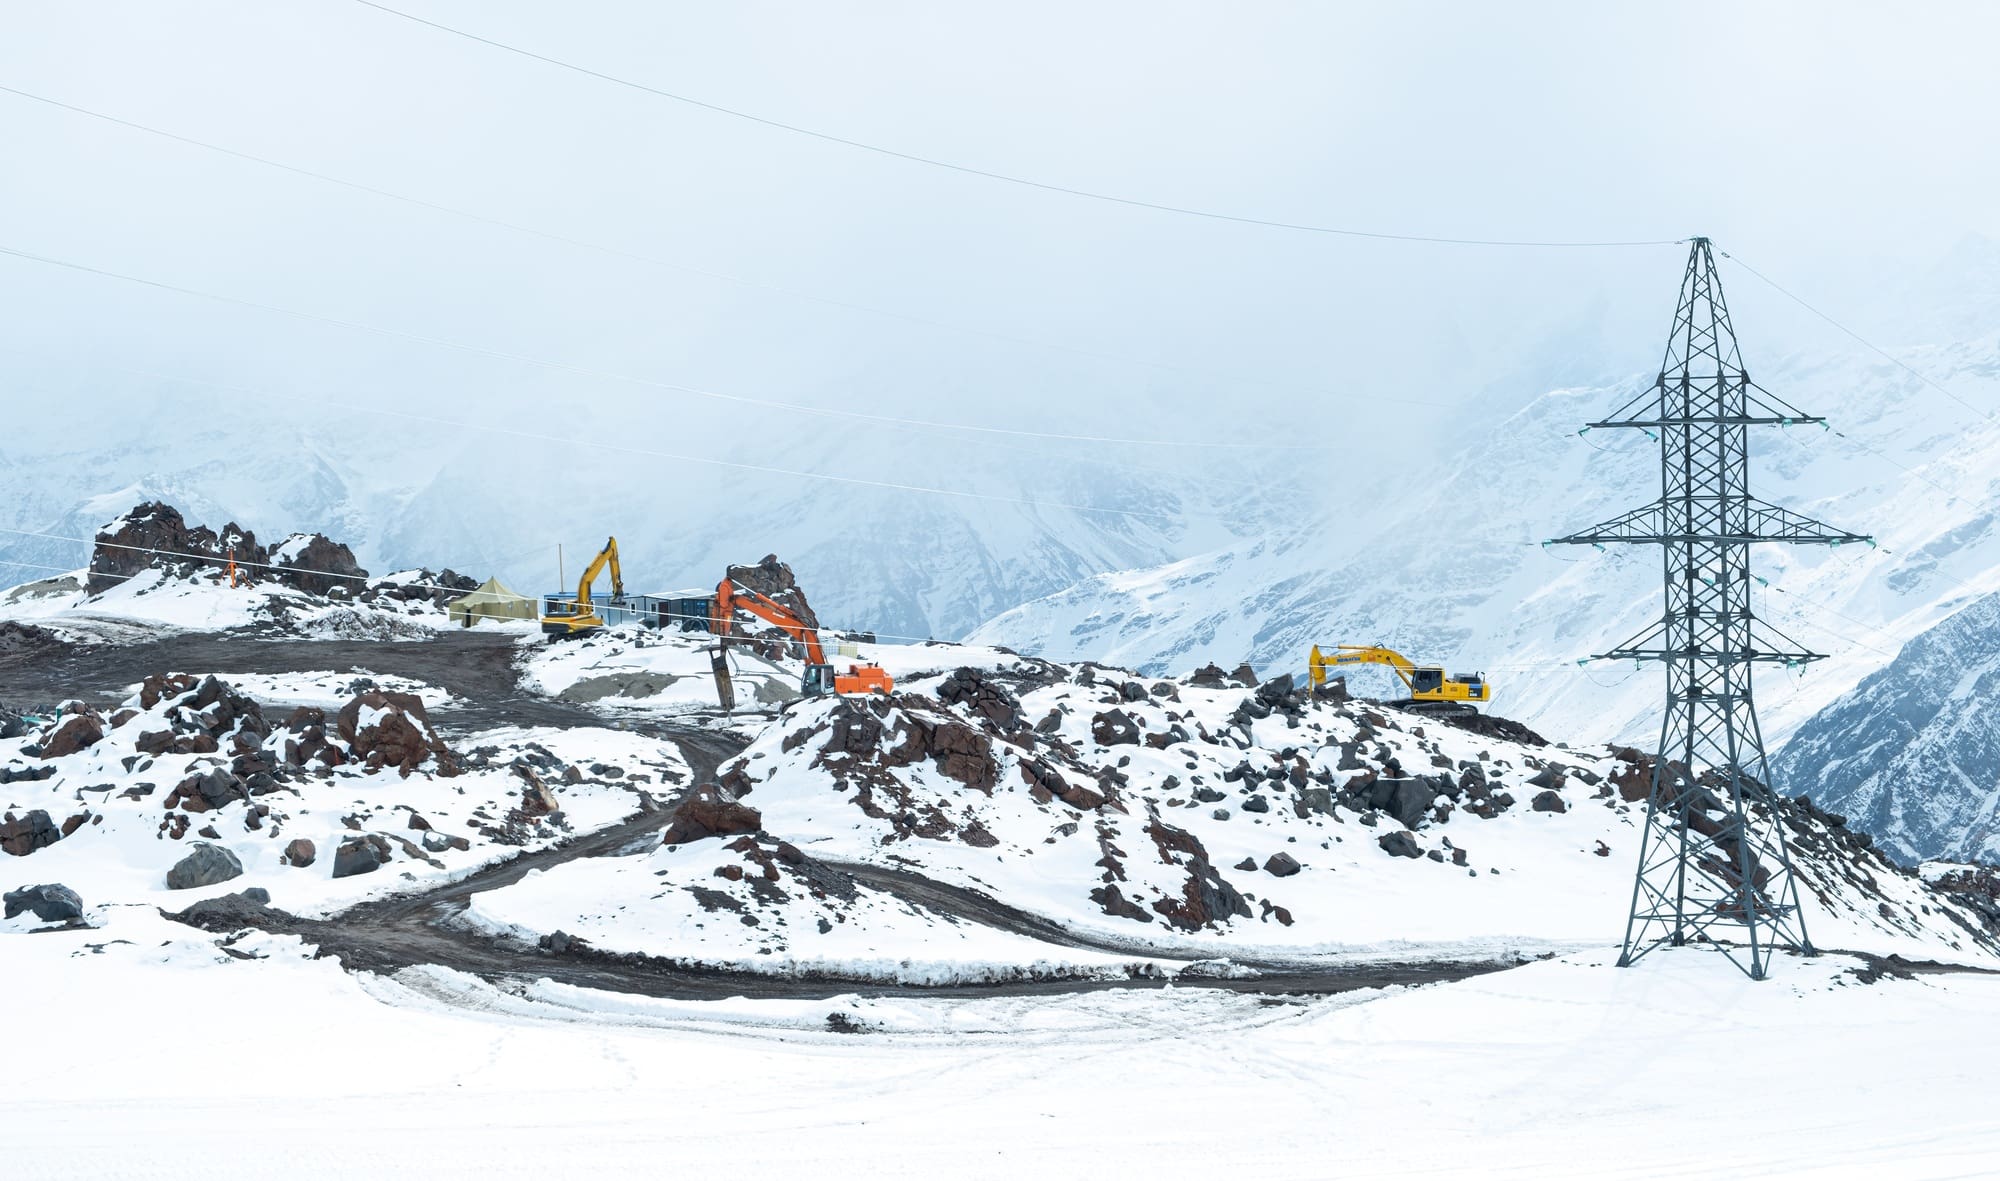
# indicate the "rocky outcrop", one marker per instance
pixel 317 565
pixel 385 729
pixel 1205 898
pixel 775 580
pixel 154 536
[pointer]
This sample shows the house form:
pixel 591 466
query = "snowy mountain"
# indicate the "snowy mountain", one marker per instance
pixel 1454 571
pixel 1912 754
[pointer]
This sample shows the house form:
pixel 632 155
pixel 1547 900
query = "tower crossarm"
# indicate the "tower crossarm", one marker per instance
pixel 1712 519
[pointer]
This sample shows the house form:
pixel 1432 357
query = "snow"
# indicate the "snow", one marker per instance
pixel 1567 1068
pixel 646 904
pixel 142 606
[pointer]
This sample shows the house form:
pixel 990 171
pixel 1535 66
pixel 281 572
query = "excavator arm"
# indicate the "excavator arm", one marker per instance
pixel 608 556
pixel 730 596
pixel 1358 654
pixel 578 616
pixel 1430 688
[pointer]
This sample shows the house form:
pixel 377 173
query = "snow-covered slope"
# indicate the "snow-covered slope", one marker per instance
pixel 1169 819
pixel 1457 573
pixel 1912 754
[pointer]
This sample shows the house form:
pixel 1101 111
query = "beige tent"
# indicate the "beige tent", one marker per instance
pixel 491 601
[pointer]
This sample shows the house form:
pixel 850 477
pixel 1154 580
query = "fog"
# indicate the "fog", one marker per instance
pixel 1843 149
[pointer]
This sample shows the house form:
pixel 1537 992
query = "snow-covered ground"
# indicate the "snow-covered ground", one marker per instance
pixel 1567 1068
pixel 153 601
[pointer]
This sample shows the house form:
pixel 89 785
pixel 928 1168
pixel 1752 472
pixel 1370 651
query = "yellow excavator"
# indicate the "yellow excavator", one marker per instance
pixel 563 618
pixel 1431 690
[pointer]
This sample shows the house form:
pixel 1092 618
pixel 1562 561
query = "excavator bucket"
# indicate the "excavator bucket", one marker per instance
pixel 863 678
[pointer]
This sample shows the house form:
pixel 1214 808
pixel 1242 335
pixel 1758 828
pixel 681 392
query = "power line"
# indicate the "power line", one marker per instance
pixel 648 259
pixel 674 387
pixel 987 174
pixel 1864 341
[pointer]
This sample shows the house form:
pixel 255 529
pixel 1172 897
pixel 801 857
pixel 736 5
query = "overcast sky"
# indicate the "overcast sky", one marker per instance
pixel 1840 147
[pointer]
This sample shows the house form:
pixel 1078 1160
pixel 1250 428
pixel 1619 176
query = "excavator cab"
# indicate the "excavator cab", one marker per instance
pixel 819 680
pixel 1426 680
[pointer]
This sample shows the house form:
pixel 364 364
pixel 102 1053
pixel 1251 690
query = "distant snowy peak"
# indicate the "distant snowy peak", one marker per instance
pixel 1912 753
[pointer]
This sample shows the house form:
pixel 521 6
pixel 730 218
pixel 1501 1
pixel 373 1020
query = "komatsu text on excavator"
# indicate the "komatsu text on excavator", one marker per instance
pixel 565 617
pixel 1431 690
pixel 820 679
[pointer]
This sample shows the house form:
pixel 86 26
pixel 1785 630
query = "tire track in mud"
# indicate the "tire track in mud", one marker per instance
pixel 386 935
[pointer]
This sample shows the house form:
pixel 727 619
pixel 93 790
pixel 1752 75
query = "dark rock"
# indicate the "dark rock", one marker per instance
pixel 1247 864
pixel 1115 904
pixel 1208 795
pixel 708 811
pixel 1281 865
pixel 984 697
pixel 300 852
pixel 76 732
pixel 1244 675
pixel 1548 801
pixel 51 903
pixel 1409 801
pixel 1256 804
pixel 359 855
pixel 204 865
pixel 30 832
pixel 1114 728
pixel 1399 844
pixel 397 733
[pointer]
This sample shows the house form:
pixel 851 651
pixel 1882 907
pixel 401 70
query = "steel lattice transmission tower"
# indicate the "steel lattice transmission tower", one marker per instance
pixel 1713 864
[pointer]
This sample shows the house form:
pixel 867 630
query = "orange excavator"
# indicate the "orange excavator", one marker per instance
pixel 820 679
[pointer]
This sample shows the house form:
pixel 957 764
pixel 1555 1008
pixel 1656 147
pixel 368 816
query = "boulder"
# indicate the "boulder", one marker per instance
pixel 23 836
pixel 1409 801
pixel 709 811
pixel 1114 727
pixel 1256 804
pixel 204 865
pixel 51 903
pixel 358 855
pixel 1548 801
pixel 76 732
pixel 300 852
pixel 1245 675
pixel 1399 844
pixel 986 698
pixel 1282 865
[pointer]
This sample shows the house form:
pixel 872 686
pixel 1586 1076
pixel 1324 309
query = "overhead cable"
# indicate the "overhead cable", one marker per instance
pixel 649 259
pixel 988 174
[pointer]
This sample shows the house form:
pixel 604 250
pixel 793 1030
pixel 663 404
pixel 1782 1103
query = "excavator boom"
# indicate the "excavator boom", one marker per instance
pixel 820 679
pixel 1430 689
